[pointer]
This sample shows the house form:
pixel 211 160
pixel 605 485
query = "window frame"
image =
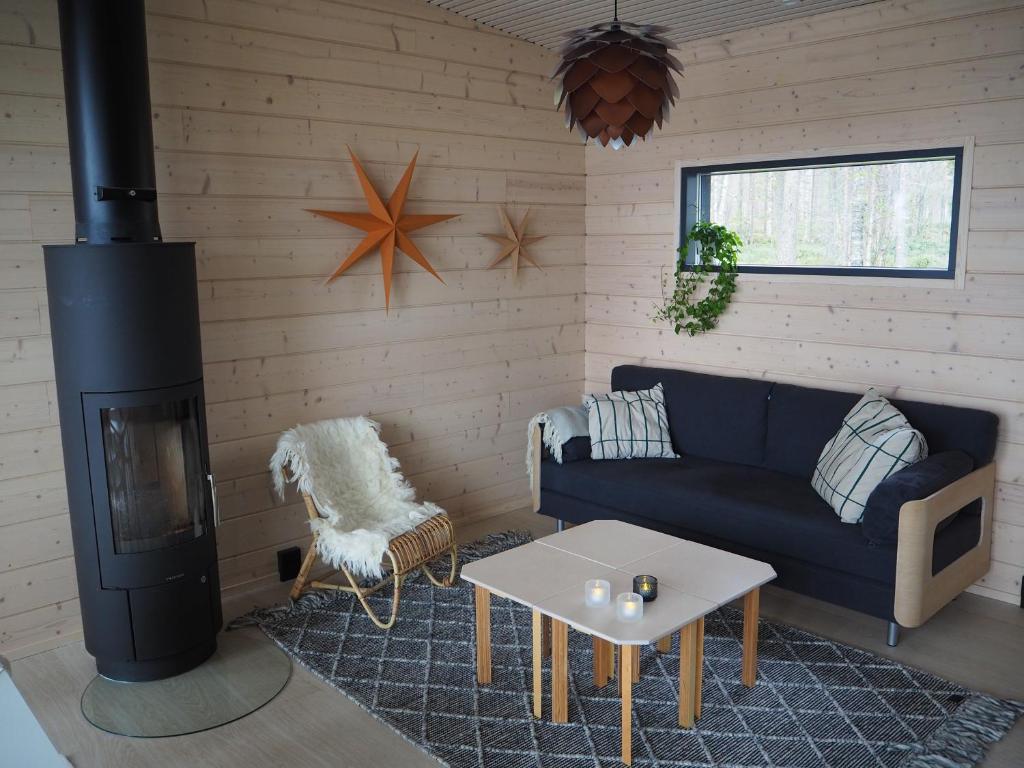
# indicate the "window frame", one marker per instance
pixel 689 188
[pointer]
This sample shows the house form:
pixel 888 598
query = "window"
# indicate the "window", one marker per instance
pixel 889 214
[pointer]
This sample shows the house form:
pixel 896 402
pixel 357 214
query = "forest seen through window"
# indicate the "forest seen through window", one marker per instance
pixel 870 215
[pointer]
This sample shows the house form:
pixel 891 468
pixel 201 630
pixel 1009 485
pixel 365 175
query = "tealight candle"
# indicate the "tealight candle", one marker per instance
pixel 646 587
pixel 597 592
pixel 629 606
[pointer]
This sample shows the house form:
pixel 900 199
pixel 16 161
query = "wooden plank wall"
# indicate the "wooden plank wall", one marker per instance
pixel 254 102
pixel 886 72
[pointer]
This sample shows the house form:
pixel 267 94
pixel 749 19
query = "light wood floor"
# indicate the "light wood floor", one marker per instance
pixel 975 641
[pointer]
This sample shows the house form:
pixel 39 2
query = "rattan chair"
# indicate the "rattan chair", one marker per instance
pixel 406 552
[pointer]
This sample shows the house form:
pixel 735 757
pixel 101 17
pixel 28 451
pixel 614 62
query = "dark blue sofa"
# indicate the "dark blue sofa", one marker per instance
pixel 748 448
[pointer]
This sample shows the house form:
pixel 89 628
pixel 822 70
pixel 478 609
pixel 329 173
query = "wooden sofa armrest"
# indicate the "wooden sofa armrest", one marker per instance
pixel 919 593
pixel 535 441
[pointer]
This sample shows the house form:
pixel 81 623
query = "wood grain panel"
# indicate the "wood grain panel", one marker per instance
pixel 984 294
pixel 30 452
pixel 247 258
pixel 990 122
pixel 247 456
pixel 26 406
pixel 21 266
pixel 435 37
pixel 43 584
pixel 25 360
pixel 996 252
pixel 35 541
pixel 972 37
pixel 261 337
pixel 241 299
pixel 223 132
pixel 855 22
pixel 274 413
pixel 19 313
pixel 35 168
pixel 33 496
pixel 999 166
pixel 932 331
pixel 186 41
pixel 272 217
pixel 958 374
pixel 41 628
pixel 241 379
pixel 40 120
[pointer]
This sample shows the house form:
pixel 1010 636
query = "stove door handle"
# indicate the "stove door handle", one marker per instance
pixel 213 495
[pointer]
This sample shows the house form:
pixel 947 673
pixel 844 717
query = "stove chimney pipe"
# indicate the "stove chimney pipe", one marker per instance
pixel 110 129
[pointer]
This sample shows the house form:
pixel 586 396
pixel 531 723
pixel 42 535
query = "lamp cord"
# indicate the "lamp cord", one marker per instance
pixel 616 11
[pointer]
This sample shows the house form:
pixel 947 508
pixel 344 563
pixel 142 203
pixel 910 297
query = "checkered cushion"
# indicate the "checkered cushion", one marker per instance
pixel 874 441
pixel 629 425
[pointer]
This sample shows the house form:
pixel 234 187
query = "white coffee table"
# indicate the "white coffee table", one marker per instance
pixel 548 575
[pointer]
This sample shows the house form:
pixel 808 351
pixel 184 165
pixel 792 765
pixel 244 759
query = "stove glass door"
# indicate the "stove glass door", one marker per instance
pixel 155 481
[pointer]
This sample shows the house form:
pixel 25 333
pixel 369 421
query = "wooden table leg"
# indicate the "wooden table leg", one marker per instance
pixel 602 652
pixel 546 637
pixel 665 644
pixel 626 684
pixel 687 673
pixel 751 608
pixel 538 663
pixel 699 664
pixel 559 671
pixel 635 650
pixel 483 636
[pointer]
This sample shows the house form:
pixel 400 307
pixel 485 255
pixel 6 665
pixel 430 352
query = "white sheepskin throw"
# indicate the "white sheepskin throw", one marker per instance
pixel 363 499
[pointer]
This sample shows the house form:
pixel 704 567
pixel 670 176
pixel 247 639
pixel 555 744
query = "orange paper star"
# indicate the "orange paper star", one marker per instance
pixel 513 242
pixel 385 226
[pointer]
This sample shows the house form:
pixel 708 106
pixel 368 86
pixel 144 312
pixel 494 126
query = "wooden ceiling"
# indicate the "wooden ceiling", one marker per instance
pixel 545 22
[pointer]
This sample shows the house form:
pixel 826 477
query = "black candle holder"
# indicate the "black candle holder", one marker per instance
pixel 646 587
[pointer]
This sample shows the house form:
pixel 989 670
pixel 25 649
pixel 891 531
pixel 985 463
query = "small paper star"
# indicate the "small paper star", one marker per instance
pixel 513 242
pixel 385 226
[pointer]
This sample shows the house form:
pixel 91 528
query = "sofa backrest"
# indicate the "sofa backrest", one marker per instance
pixel 949 428
pixel 784 427
pixel 717 417
pixel 800 421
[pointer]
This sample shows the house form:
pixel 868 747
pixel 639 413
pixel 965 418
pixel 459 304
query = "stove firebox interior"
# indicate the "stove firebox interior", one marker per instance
pixel 124 320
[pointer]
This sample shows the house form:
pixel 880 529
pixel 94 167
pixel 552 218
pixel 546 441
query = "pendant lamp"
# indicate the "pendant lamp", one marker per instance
pixel 615 81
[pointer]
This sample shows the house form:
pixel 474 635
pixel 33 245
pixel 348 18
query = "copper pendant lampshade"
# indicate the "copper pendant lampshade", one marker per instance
pixel 616 81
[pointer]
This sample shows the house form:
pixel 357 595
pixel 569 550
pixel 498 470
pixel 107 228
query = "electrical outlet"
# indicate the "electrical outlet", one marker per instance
pixel 288 562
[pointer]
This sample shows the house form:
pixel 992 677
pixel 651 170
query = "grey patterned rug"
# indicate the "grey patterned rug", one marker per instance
pixel 816 702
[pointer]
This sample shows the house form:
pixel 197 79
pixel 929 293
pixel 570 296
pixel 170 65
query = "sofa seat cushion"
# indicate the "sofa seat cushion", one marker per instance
pixel 755 507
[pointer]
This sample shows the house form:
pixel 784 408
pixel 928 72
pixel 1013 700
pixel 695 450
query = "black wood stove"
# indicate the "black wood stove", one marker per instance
pixel 125 324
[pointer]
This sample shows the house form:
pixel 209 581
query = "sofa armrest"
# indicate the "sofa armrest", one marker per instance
pixel 535 441
pixel 881 521
pixel 919 593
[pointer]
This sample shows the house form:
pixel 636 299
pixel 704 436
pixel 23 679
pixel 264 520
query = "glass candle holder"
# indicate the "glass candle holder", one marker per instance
pixel 597 592
pixel 629 606
pixel 646 587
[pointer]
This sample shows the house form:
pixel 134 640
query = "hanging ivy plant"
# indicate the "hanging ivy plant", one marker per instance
pixel 719 249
